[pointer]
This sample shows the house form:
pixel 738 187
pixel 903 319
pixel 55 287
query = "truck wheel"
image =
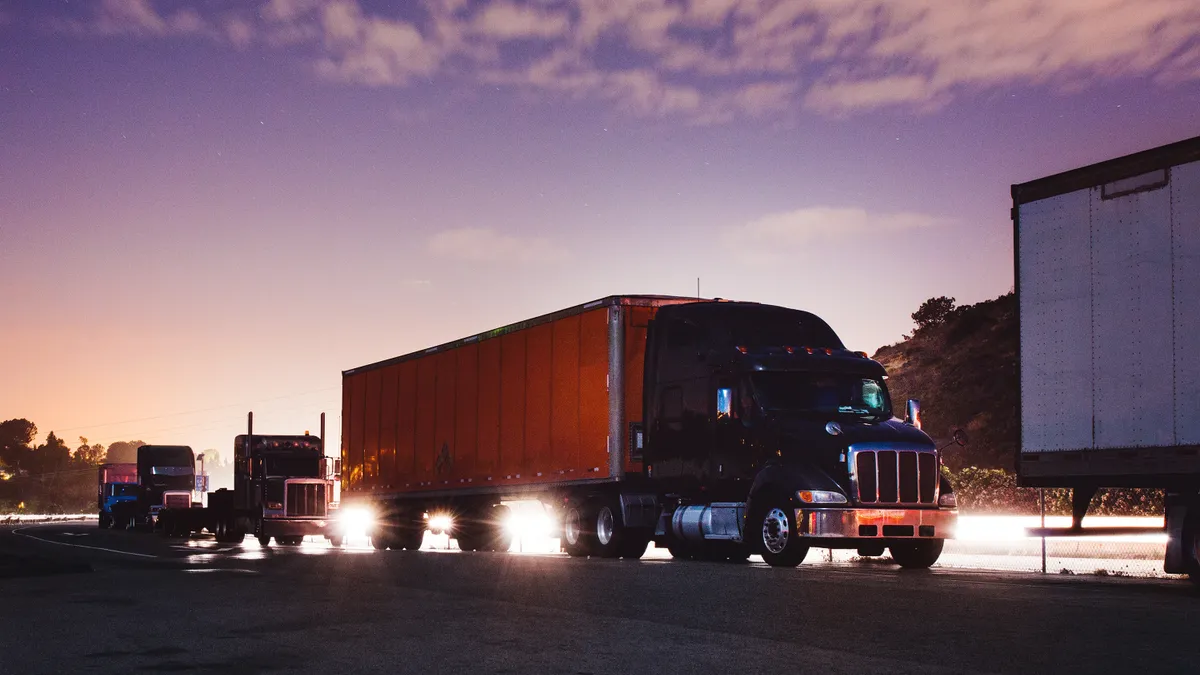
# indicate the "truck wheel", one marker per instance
pixel 576 540
pixel 917 555
pixel 236 534
pixel 264 539
pixel 1191 544
pixel 680 550
pixel 337 541
pixel 469 536
pixel 103 522
pixel 633 548
pixel 410 538
pixel 609 528
pixel 778 538
pixel 499 538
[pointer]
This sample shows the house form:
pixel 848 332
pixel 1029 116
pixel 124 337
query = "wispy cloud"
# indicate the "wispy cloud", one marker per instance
pixel 773 235
pixel 708 61
pixel 485 245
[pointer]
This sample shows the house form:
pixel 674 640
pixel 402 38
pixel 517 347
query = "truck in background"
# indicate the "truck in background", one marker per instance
pixel 117 492
pixel 283 489
pixel 716 429
pixel 166 478
pixel 1107 264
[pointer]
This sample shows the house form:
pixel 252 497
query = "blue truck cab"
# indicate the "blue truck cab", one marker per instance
pixel 117 493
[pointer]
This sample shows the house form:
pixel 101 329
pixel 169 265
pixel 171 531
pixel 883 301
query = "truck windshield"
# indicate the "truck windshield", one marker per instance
pixel 821 393
pixel 123 490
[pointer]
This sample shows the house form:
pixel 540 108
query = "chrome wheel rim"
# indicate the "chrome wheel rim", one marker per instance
pixel 775 531
pixel 604 526
pixel 571 527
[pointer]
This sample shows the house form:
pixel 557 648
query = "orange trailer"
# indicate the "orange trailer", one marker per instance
pixel 544 401
pixel 521 410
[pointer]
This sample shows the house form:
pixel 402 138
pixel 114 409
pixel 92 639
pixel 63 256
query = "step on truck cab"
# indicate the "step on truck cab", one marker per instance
pixel 716 429
pixel 117 492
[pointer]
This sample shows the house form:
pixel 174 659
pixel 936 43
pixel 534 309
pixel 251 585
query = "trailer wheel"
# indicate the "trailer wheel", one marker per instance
pixel 576 540
pixel 499 538
pixel 777 537
pixel 1191 544
pixel 410 538
pixel 634 547
pixel 917 555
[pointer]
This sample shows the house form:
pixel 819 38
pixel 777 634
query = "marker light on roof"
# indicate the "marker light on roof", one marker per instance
pixel 742 349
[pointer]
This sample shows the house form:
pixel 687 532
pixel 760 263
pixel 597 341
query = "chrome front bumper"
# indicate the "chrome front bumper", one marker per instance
pixel 877 523
pixel 287 528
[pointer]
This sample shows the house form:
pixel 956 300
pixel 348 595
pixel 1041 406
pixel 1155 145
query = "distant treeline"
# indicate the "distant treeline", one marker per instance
pixel 53 477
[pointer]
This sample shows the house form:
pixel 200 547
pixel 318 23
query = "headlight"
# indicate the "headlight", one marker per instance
pixel 356 519
pixel 440 523
pixel 948 500
pixel 821 497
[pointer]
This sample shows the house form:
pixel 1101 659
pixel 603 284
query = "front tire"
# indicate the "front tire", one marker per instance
pixel 917 555
pixel 778 539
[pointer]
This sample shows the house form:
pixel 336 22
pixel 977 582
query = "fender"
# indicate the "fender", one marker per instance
pixel 779 480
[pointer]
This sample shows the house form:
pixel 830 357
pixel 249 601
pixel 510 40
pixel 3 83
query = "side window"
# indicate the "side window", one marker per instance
pixel 671 409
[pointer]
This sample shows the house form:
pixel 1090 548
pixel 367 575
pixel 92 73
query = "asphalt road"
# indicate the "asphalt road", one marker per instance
pixel 155 605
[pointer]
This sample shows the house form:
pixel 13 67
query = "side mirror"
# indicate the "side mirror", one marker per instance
pixel 912 413
pixel 960 437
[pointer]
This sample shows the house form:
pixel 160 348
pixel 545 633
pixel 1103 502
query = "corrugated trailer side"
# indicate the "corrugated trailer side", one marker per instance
pixel 509 411
pixel 1108 281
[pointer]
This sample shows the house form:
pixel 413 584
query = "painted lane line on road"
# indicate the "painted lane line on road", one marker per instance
pixel 19 533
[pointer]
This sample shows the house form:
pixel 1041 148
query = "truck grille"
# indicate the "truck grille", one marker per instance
pixel 895 476
pixel 176 500
pixel 306 499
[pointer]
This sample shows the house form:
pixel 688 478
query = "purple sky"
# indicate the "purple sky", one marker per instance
pixel 208 207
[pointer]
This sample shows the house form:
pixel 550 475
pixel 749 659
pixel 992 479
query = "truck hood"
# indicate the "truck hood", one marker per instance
pixel 805 447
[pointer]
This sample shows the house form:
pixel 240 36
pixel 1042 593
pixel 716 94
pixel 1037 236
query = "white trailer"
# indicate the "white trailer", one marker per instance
pixel 1108 286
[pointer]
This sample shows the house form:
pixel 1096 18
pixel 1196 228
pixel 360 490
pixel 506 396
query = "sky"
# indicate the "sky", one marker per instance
pixel 214 207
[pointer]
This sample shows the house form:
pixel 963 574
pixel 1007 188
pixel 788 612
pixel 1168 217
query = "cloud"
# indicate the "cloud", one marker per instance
pixel 509 21
pixel 476 244
pixel 775 234
pixel 705 61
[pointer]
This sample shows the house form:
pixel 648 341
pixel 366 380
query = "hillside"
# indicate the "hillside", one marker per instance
pixel 963 369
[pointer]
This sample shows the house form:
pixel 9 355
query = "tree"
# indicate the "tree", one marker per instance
pixel 123 452
pixel 51 456
pixel 933 312
pixel 16 436
pixel 90 455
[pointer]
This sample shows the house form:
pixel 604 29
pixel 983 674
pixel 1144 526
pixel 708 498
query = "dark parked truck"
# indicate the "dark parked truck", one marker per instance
pixel 117 492
pixel 283 489
pixel 166 478
pixel 1108 286
pixel 716 429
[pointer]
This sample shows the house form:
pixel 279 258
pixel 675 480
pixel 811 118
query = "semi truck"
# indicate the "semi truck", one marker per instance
pixel 1107 266
pixel 283 488
pixel 166 478
pixel 715 429
pixel 117 491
